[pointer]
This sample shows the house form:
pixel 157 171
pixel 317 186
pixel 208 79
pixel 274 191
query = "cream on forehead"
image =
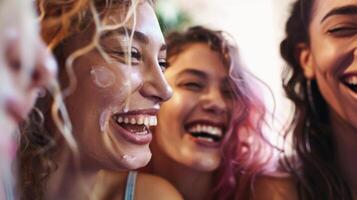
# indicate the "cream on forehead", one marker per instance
pixel 102 77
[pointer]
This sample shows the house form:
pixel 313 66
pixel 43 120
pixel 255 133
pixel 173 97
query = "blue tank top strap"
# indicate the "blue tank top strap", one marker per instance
pixel 130 185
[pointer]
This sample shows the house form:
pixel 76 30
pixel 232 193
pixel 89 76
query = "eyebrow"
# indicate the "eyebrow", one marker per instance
pixel 193 72
pixel 137 35
pixel 344 10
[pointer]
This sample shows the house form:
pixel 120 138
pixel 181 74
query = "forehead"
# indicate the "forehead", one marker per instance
pixel 199 56
pixel 144 20
pixel 322 7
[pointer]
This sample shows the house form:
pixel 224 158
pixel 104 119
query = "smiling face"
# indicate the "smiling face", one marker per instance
pixel 115 103
pixel 193 122
pixel 331 57
pixel 25 64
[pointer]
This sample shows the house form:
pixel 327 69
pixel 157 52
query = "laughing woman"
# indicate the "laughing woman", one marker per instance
pixel 111 56
pixel 208 142
pixel 321 51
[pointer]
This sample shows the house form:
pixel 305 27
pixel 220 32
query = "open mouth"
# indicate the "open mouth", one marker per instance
pixel 351 82
pixel 136 124
pixel 206 132
pixel 135 127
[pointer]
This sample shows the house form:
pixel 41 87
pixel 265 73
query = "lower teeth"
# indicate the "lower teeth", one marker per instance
pixel 207 139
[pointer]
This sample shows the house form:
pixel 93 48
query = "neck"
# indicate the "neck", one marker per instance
pixel 345 137
pixel 191 183
pixel 71 180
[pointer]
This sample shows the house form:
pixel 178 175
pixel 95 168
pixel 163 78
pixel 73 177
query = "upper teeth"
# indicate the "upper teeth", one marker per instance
pixel 351 80
pixel 140 120
pixel 213 130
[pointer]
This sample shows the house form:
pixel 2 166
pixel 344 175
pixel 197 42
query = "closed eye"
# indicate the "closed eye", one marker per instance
pixel 124 56
pixel 343 31
pixel 193 86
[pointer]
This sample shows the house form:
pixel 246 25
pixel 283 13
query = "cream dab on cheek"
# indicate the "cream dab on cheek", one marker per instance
pixel 128 158
pixel 102 77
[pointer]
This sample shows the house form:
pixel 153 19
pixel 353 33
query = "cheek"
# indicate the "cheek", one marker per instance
pixel 331 56
pixel 102 77
pixel 178 107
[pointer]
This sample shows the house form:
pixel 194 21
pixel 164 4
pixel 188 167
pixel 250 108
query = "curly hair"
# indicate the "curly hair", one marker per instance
pixel 242 160
pixel 60 20
pixel 312 137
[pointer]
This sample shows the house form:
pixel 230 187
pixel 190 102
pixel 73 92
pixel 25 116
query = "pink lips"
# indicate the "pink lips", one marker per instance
pixel 202 142
pixel 206 143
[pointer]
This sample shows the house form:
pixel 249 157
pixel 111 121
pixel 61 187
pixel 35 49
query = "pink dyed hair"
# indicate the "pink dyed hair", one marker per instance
pixel 245 153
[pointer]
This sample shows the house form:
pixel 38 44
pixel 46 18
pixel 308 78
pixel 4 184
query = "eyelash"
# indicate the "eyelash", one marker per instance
pixel 193 86
pixel 135 54
pixel 163 64
pixel 136 57
pixel 343 31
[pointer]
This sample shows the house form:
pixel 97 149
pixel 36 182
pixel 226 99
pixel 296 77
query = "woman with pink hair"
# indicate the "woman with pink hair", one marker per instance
pixel 209 142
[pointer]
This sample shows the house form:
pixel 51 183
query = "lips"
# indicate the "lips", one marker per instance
pixel 208 133
pixel 350 81
pixel 134 125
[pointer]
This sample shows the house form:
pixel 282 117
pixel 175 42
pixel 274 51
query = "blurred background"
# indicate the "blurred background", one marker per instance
pixel 256 25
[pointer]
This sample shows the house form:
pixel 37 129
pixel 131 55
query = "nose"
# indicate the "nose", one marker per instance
pixel 213 102
pixel 155 86
pixel 43 68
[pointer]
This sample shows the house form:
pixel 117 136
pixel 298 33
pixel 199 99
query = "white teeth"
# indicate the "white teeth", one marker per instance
pixel 213 130
pixel 351 80
pixel 146 121
pixel 207 139
pixel 132 121
pixel 139 120
pixel 152 121
pixel 142 133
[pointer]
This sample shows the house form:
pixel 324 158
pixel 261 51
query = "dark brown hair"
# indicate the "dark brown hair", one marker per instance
pixel 318 176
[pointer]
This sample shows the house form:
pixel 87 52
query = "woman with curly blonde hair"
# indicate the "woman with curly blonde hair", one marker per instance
pixel 111 56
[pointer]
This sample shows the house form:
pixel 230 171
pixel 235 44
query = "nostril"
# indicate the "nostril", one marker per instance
pixel 44 71
pixel 36 76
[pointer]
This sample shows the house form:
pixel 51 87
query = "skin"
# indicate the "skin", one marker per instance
pixel 91 107
pixel 187 163
pixel 19 84
pixel 330 55
pixel 23 73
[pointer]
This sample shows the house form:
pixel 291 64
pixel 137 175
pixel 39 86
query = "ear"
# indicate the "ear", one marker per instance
pixel 303 54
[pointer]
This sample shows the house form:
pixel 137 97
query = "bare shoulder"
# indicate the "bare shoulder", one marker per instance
pixel 274 188
pixel 154 187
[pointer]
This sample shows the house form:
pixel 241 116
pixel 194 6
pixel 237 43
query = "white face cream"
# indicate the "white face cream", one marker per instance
pixel 102 77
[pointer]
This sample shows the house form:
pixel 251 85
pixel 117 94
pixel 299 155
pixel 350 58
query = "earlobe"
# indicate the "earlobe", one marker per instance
pixel 303 54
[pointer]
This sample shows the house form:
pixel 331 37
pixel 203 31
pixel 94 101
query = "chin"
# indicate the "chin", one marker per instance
pixel 135 160
pixel 206 164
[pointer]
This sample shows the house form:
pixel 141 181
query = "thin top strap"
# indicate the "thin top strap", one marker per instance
pixel 130 186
